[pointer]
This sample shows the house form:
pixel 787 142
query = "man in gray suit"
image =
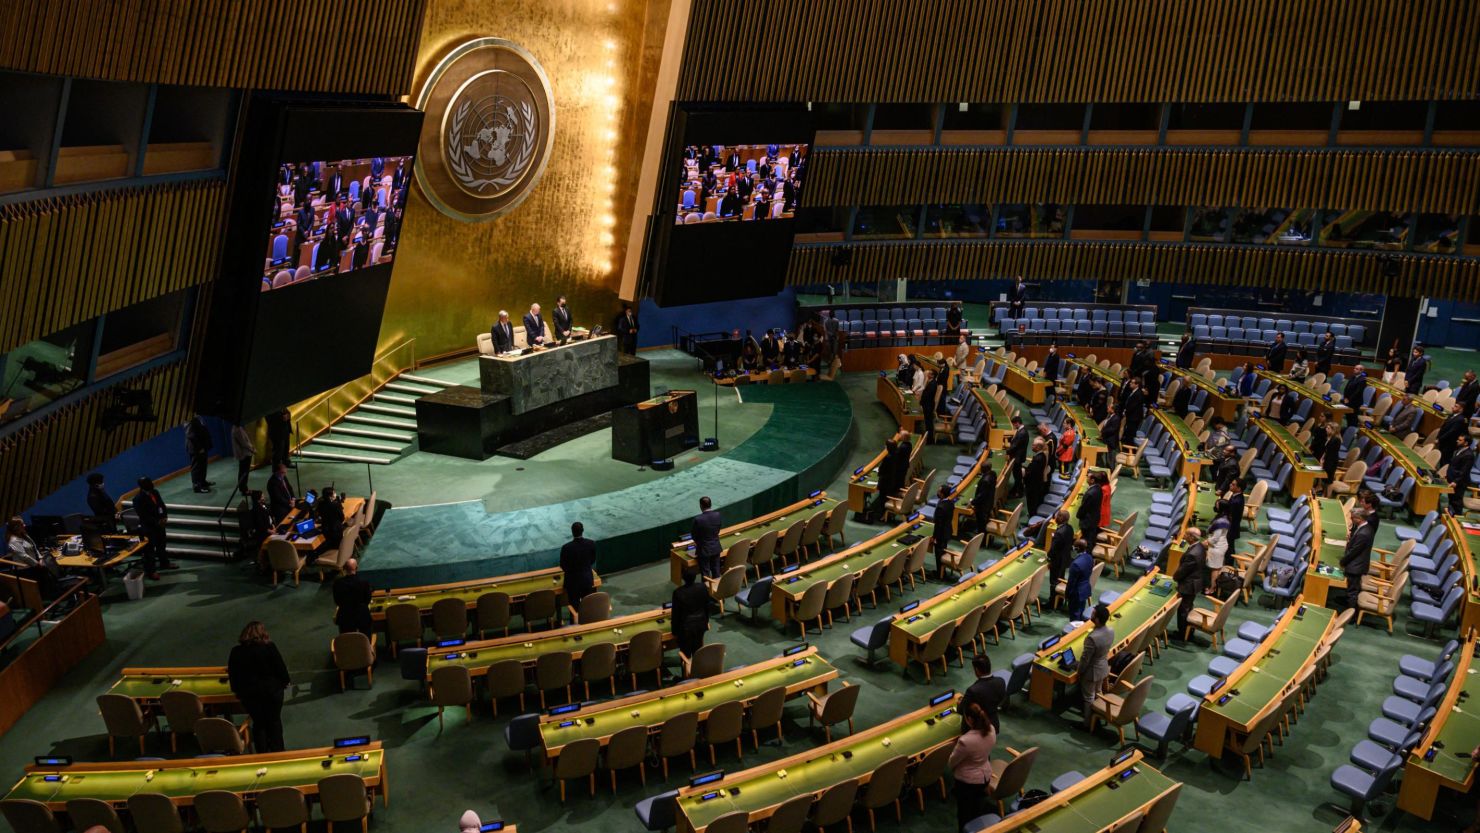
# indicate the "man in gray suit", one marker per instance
pixel 1094 662
pixel 705 532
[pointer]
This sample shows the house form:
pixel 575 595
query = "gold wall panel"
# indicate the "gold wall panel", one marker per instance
pixel 70 259
pixel 1081 50
pixel 1215 265
pixel 1376 180
pixel 365 48
pixel 569 235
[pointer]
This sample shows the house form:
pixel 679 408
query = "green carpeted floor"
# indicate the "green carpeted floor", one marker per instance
pixel 193 616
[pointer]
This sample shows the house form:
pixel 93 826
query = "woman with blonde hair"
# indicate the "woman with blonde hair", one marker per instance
pixel 258 677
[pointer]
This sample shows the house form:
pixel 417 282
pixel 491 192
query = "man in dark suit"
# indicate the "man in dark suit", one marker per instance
pixel 1352 394
pixel 1141 360
pixel 769 348
pixel 891 478
pixel 562 320
pixel 1191 574
pixel 1356 560
pixel 1017 454
pixel 690 613
pixel 534 326
pixel 1460 466
pixel 302 186
pixel 1132 412
pixel 1226 469
pixel 577 561
pixel 352 601
pixel 333 184
pixel 732 161
pixel 984 500
pixel 1060 550
pixel 1035 476
pixel 988 692
pixel 153 515
pixel 369 220
pixel 626 327
pixel 198 447
pixel 929 399
pixel 1235 501
pixel 1466 394
pixel 1182 402
pixel 1325 354
pixel 1051 365
pixel 329 509
pixel 100 504
pixel 945 527
pixel 280 496
pixel 1186 351
pixel 279 429
pixel 1274 357
pixel 705 533
pixel 1454 428
pixel 1413 375
pixel 361 254
pixel 503 333
pixel 304 221
pixel 1017 297
pixel 1089 511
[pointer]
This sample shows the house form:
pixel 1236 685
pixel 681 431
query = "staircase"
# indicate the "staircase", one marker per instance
pixel 193 532
pixel 378 431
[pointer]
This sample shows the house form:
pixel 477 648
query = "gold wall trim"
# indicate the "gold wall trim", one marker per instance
pixel 1280 268
pixel 367 48
pixel 70 259
pixel 1081 50
pixel 1373 180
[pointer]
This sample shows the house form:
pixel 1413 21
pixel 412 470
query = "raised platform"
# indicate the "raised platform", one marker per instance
pixel 799 449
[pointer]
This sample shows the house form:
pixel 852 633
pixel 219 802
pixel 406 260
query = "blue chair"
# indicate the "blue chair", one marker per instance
pixel 1202 685
pixel 1051 314
pixel 1375 757
pixel 1016 678
pixel 522 734
pixel 756 595
pixel 1198 320
pixel 354 190
pixel 1164 727
pixel 1338 329
pixel 1200 332
pixel 982 823
pixel 1252 631
pixel 1065 781
pixel 1427 670
pixel 872 637
pixel 658 812
pixel 688 199
pixel 413 664
pixel 1403 710
pixel 1412 688
pixel 1434 616
pixel 279 249
pixel 1358 332
pixel 1116 315
pixel 1215 320
pixel 1148 317
pixel 1392 733
pixel 1302 327
pixel 1363 786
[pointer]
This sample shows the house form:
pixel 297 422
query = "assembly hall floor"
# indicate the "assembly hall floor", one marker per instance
pixel 193 616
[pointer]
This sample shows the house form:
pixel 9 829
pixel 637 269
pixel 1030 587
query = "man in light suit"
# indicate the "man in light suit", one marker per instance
pixel 534 326
pixel 1094 660
pixel 503 334
pixel 562 318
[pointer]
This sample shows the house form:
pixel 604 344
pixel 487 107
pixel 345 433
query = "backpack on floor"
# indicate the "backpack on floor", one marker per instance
pixel 1226 585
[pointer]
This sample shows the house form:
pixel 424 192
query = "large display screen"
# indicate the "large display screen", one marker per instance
pixel 333 216
pixel 728 183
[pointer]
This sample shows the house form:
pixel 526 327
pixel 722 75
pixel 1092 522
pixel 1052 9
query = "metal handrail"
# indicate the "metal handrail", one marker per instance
pixel 324 400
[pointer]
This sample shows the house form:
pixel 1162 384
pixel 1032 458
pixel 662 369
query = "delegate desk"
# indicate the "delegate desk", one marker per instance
pixel 181 780
pixel 1220 403
pixel 1305 469
pixel 1427 484
pixel 1112 382
pixel 998 420
pixel 1454 732
pixel 774 376
pixel 1428 418
pixel 798 672
pixel 516 586
pixel 1466 538
pixel 916 621
pixel 1329 524
pixel 758 791
pixel 1022 383
pixel 352 508
pixel 790 584
pixel 964 492
pixel 681 553
pixel 864 482
pixel 1193 459
pixel 1199 513
pixel 1259 684
pixel 1335 409
pixel 657 429
pixel 146 685
pixel 1141 606
pixel 903 404
pixel 479 656
pixel 125 547
pixel 540 376
pixel 1091 444
pixel 1126 789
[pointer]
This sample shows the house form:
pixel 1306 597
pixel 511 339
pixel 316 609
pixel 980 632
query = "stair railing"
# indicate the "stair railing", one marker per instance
pixel 317 415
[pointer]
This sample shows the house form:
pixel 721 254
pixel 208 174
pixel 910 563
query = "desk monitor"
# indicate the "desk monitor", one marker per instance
pixel 46 526
pixel 795 649
pixel 53 760
pixel 911 606
pixel 346 743
pixel 706 778
pixel 491 825
pixel 566 709
pixel 942 698
pixel 306 529
pixel 450 643
pixel 1048 643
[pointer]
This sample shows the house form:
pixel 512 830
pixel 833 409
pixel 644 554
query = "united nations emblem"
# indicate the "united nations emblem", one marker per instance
pixel 490 126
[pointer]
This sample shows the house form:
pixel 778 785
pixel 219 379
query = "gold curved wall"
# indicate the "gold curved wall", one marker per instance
pixel 451 278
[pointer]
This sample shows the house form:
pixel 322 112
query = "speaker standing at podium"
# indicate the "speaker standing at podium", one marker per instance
pixel 562 319
pixel 503 333
pixel 534 326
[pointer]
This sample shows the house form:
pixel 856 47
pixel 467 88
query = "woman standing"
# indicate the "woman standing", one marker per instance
pixel 258 677
pixel 969 763
pixel 1067 442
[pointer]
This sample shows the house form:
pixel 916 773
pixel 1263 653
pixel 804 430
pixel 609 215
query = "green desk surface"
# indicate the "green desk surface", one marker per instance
pixel 779 524
pixel 1332 527
pixel 998 414
pixel 869 474
pixel 1105 375
pixel 602 722
pixel 1298 455
pixel 515 586
pixel 1089 430
pixel 832 568
pixel 1191 446
pixel 1100 807
pixel 967 491
pixel 813 772
pixel 1126 616
pixel 234 774
pixel 1195 378
pixel 1261 684
pixel 478 656
pixel 1460 733
pixel 1466 537
pixel 911 403
pixel 956 601
pixel 1415 465
pixel 207 686
pixel 1304 391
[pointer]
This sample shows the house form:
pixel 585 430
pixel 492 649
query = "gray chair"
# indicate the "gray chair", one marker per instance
pixel 222 811
pixel 656 812
pixel 283 807
pixel 1165 728
pixel 27 816
pixel 154 812
pixel 736 822
pixel 343 797
pixel 872 638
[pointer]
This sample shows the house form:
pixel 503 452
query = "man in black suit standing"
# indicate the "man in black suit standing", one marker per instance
pixel 333 184
pixel 280 496
pixel 198 447
pixel 330 511
pixel 1235 501
pixel 1325 354
pixel 153 515
pixel 1454 428
pixel 1089 510
pixel 1468 391
pixel 1017 297
pixel 690 613
pixel 1274 357
pixel 352 601
pixel 562 318
pixel 577 560
pixel 705 533
pixel 1191 574
pixel 503 334
pixel 1017 455
pixel 1460 466
pixel 945 527
pixel 1133 411
pixel 929 399
pixel 1186 351
pixel 1352 394
pixel 1060 550
pixel 988 691
pixel 1035 479
pixel 279 429
pixel 1417 367
pixel 534 327
pixel 626 327
pixel 891 479
pixel 100 504
pixel 1356 560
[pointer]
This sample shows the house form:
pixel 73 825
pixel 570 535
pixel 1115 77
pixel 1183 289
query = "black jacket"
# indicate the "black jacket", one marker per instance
pixel 503 336
pixel 1355 389
pixel 1051 365
pixel 100 504
pixel 1466 396
pixel 577 558
pixel 1357 559
pixel 331 520
pixel 1454 428
pixel 1038 471
pixel 928 397
pixel 197 437
pixel 945 520
pixel 989 692
pixel 1018 447
pixel 1089 507
pixel 985 499
pixel 1191 570
pixel 1325 352
pixel 1274 359
pixel 279 497
pixel 1235 514
pixel 690 608
pixel 562 318
pixel 1061 549
pixel 1186 352
pixel 705 532
pixel 1459 467
pixel 534 328
pixel 352 598
pixel 256 670
pixel 150 508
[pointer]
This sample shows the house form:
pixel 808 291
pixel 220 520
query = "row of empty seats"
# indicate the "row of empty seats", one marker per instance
pixel 1288 326
pixel 879 326
pixel 1210 335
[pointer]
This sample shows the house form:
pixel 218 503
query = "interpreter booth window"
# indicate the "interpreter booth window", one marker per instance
pixel 1437 234
pixel 875 222
pixel 1114 218
pixel 958 220
pixel 138 334
pixel 36 374
pixel 1043 220
pixel 1273 226
pixel 1210 224
pixel 1381 230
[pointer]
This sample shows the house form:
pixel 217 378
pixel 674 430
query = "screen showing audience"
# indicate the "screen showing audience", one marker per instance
pixel 334 216
pixel 728 183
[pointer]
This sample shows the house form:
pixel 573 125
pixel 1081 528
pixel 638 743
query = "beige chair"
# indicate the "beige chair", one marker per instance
pixel 280 807
pixel 403 624
pixel 626 749
pixel 577 759
pixel 554 671
pixel 28 815
pixel 154 812
pixel 892 574
pixel 791 816
pixel 217 735
pixel 1019 607
pixel 334 560
pixel 723 725
pixel 935 648
pixel 839 595
pixel 726 586
pixel 809 608
pixel 812 535
pixel 930 772
pixel 181 709
pixel 736 555
pixel 708 661
pixel 221 811
pixel 832 708
pixel 789 548
pixel 965 634
pixel 283 557
pixel 644 655
pixel 353 651
pixel 599 664
pixel 765 712
pixel 1383 599
pixel 1004 526
pixel 492 614
pixel 764 552
pixel 89 813
pixel 1349 483
pixel 1155 820
pixel 452 685
pixel 343 798
pixel 903 505
pixel 540 606
pixel 991 618
pixel 1210 622
pixel 884 788
pixel 868 583
pixel 123 719
pixel 914 564
pixel 1120 710
pixel 505 679
pixel 1009 776
pixel 836 805
pixel 677 736
pixel 596 607
pixel 1130 457
pixel 735 822
pixel 450 619
pixel 961 561
pixel 836 521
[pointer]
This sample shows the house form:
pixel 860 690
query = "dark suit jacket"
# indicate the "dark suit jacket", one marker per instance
pixel 1089 508
pixel 1466 396
pixel 577 558
pixel 1357 559
pixel 1018 294
pixel 561 317
pixel 352 598
pixel 1454 427
pixel 503 337
pixel 256 671
pixel 99 503
pixel 1274 359
pixel 150 508
pixel 1018 447
pixel 1051 367
pixel 691 608
pixel 1459 467
pixel 1186 353
pixel 1413 376
pixel 1235 514
pixel 625 327
pixel 989 692
pixel 985 499
pixel 945 520
pixel 1037 471
pixel 1325 352
pixel 534 328
pixel 1354 391
pixel 1133 412
pixel 1061 549
pixel 331 520
pixel 705 532
pixel 1192 570
pixel 279 497
pixel 928 398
